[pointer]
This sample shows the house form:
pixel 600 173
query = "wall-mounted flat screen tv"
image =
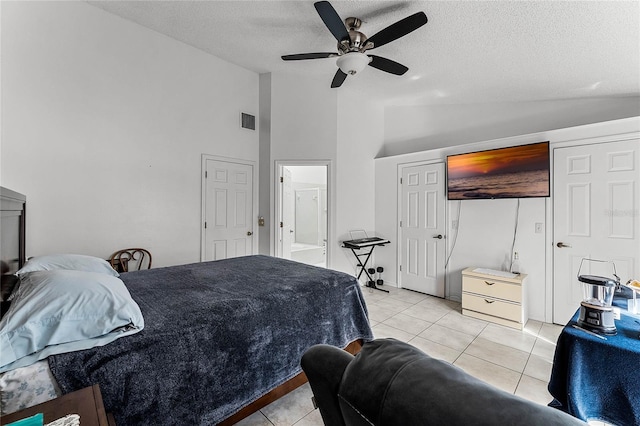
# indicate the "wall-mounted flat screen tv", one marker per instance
pixel 513 172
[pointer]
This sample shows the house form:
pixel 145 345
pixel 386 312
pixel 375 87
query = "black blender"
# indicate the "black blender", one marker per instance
pixel 596 312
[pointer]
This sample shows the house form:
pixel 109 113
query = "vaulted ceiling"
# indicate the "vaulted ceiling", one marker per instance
pixel 468 52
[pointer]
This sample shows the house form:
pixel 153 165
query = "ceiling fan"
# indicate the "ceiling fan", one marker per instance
pixel 352 44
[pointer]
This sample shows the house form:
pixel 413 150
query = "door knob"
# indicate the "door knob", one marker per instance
pixel 249 233
pixel 562 245
pixel 439 236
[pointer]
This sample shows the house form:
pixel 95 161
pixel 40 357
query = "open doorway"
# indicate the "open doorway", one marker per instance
pixel 303 212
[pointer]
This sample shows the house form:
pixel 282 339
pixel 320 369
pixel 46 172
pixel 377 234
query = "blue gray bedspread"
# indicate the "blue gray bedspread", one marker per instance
pixel 218 335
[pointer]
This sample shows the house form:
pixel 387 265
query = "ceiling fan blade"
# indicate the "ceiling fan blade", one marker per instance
pixel 387 65
pixel 300 56
pixel 338 79
pixel 332 20
pixel 399 29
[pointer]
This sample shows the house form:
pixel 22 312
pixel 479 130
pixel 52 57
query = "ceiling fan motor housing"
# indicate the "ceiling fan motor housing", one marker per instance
pixel 353 23
pixel 357 42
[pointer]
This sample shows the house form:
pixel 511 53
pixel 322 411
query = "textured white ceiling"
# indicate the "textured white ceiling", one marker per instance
pixel 468 52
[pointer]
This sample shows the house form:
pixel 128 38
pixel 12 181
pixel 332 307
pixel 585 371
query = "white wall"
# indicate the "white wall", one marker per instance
pixel 486 226
pixel 104 124
pixel 485 234
pixel 311 121
pixel 303 127
pixel 303 118
pixel 360 137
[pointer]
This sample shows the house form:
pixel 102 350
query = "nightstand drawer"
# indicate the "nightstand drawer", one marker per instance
pixel 493 307
pixel 493 289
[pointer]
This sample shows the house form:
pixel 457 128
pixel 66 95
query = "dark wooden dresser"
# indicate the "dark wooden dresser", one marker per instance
pixel 87 403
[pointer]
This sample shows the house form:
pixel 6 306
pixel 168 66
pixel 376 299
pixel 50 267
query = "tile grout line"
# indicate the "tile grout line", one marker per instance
pixel 378 301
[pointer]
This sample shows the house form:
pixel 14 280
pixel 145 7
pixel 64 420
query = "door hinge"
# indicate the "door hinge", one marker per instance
pixel 400 224
pixel 400 268
pixel 205 225
pixel 281 179
pixel 400 181
pixel 206 174
pixel 281 224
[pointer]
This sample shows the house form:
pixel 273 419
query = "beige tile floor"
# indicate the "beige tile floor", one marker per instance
pixel 515 361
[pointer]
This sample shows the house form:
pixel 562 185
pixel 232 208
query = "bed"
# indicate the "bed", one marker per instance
pixel 219 339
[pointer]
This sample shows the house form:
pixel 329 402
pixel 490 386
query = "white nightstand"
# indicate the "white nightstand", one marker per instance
pixel 498 299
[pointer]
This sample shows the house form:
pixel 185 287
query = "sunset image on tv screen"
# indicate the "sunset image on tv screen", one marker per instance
pixel 513 172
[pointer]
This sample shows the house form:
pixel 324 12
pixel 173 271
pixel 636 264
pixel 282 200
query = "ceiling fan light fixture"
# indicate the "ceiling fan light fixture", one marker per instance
pixel 353 62
pixel 352 43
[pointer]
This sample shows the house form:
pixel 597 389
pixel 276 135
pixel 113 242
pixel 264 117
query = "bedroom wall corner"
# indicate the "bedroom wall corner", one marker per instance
pixel 265 243
pixel 360 137
pixel 310 121
pixel 304 127
pixel 104 125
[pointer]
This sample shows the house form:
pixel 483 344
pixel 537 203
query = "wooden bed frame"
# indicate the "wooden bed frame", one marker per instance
pixel 288 386
pixel 13 209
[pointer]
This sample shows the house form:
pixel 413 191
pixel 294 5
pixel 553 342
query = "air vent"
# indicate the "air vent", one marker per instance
pixel 248 121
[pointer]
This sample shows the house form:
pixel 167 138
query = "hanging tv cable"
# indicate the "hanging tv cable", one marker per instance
pixel 513 243
pixel 455 237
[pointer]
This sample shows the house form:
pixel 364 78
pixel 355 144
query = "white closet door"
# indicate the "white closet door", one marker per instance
pixel 423 224
pixel 595 215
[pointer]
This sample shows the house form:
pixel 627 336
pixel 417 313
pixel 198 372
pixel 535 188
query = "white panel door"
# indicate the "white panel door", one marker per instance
pixel 287 232
pixel 422 229
pixel 228 210
pixel 595 216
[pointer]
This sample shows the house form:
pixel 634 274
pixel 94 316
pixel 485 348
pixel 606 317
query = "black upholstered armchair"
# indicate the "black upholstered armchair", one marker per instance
pixel 391 383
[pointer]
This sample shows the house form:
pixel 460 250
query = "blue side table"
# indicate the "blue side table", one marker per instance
pixel 597 379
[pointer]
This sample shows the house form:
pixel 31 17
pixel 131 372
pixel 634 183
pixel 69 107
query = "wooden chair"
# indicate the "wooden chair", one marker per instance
pixel 131 259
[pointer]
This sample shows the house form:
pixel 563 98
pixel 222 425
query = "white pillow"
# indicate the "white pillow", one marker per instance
pixel 73 262
pixel 62 311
